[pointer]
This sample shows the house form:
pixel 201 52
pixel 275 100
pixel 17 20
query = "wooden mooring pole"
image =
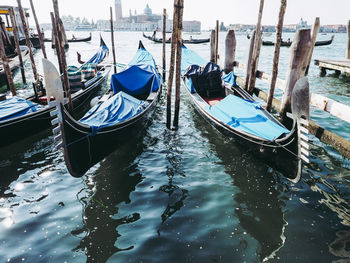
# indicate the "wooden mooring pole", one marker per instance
pixel 230 51
pixel 299 52
pixel 348 42
pixel 112 37
pixel 217 42
pixel 15 36
pixel 42 45
pixel 61 44
pixel 180 8
pixel 164 36
pixel 6 66
pixel 25 28
pixel 249 60
pixel 55 40
pixel 212 46
pixel 276 55
pixel 256 51
pixel 313 41
pixel 171 65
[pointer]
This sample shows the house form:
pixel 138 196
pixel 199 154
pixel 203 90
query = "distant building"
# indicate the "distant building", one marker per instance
pixel 147 21
pixel 118 10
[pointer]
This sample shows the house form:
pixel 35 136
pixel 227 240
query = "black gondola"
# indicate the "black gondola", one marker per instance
pixel 185 41
pixel 235 113
pixel 17 124
pixel 72 40
pixel 126 108
pixel 289 43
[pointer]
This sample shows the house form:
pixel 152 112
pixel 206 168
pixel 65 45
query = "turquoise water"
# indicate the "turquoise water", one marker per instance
pixel 178 196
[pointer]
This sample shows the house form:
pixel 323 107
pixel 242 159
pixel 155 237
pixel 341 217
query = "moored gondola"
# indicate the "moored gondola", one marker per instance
pixel 184 41
pixel 73 39
pixel 289 43
pixel 236 114
pixel 118 117
pixel 20 118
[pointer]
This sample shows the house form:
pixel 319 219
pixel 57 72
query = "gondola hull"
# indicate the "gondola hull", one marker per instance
pixel 280 155
pixel 83 149
pixel 185 41
pixel 18 128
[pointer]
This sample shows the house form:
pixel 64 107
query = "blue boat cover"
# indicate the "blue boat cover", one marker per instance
pixel 246 116
pixel 142 57
pixel 230 78
pixel 136 80
pixel 100 55
pixel 189 58
pixel 112 111
pixel 16 107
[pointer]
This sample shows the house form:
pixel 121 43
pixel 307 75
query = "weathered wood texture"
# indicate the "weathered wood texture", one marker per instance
pixel 112 38
pixel 164 46
pixel 18 49
pixel 342 65
pixel 217 42
pixel 171 65
pixel 256 50
pixel 180 8
pixel 5 65
pixel 297 66
pixel 276 55
pixel 61 44
pixel 230 51
pixel 337 142
pixel 212 46
pixel 348 42
pixel 55 40
pixel 25 28
pixel 315 29
pixel 249 60
pixel 321 102
pixel 42 45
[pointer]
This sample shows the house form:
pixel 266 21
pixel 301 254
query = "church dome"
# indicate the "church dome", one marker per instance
pixel 147 11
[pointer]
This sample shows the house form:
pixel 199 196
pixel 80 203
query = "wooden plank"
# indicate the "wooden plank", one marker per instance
pixel 332 66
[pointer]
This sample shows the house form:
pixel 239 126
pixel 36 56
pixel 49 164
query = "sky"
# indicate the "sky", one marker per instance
pixel 227 11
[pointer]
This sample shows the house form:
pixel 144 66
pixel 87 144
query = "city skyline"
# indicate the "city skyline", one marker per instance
pixel 229 12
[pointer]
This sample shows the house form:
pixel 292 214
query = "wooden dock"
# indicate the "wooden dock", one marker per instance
pixel 339 65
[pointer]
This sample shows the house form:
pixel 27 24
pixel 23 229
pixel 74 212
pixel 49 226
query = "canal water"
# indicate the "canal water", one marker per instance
pixel 189 195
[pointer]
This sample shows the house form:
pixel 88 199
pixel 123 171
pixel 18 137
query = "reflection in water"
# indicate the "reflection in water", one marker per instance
pixel 176 194
pixel 259 200
pixel 109 186
pixel 341 247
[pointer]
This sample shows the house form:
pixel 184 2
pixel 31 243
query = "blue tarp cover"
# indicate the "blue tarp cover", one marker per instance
pixel 189 58
pixel 99 56
pixel 119 108
pixel 142 57
pixel 136 80
pixel 15 107
pixel 230 78
pixel 246 116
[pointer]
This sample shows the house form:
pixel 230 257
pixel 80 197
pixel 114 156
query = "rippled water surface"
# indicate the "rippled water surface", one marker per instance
pixel 178 196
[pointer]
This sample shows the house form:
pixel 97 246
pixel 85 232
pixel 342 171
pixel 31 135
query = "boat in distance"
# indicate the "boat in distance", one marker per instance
pixel 185 41
pixel 119 116
pixel 235 113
